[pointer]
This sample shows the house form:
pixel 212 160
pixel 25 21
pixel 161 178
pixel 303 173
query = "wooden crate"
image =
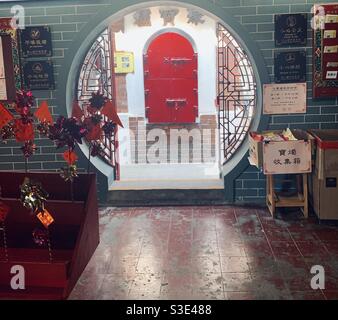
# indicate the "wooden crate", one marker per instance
pixel 74 236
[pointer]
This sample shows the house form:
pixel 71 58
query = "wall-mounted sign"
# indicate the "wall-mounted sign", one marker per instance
pixel 325 51
pixel 284 98
pixel 124 62
pixel 290 29
pixel 36 42
pixel 287 157
pixel 290 66
pixel 38 75
pixel 7 80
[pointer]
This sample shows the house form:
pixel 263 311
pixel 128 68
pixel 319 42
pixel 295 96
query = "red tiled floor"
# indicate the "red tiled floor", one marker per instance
pixel 208 253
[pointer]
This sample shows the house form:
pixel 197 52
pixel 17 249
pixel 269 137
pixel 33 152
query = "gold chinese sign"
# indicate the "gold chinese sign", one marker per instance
pixel 284 98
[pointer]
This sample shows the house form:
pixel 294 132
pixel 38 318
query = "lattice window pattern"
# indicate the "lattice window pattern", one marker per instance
pixel 96 75
pixel 236 93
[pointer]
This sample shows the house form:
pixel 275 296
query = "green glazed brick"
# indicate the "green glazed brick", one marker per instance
pixel 288 119
pixel 89 9
pixel 45 20
pixel 288 1
pixel 60 10
pixel 320 118
pixel 256 2
pixel 63 27
pixel 273 9
pixel 261 18
pixel 31 166
pixel 6 166
pixel 34 11
pixel 76 18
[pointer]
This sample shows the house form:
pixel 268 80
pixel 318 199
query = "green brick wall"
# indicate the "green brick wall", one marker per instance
pixel 67 18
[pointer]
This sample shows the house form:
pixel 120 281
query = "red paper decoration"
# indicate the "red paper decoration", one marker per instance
pixel 95 132
pixel 70 157
pixel 109 111
pixel 45 218
pixel 5 116
pixel 77 112
pixel 23 131
pixel 43 113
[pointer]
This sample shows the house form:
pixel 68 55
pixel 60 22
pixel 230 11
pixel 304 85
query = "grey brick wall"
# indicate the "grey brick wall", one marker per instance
pixel 67 18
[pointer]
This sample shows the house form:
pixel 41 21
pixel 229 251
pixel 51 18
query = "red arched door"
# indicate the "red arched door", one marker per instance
pixel 170 80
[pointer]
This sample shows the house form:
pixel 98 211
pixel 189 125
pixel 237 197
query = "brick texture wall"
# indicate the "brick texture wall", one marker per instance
pixel 256 16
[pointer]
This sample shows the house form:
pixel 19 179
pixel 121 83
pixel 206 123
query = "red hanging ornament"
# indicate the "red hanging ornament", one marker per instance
pixel 110 112
pixel 70 157
pixel 43 113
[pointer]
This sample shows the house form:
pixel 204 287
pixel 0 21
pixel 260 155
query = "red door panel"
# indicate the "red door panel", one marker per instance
pixel 170 77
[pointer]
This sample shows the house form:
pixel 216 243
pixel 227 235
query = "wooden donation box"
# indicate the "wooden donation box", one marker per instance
pixel 324 179
pixel 51 272
pixel 280 153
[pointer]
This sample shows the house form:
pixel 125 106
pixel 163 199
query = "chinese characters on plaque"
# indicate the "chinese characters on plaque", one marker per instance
pixel 290 29
pixel 124 62
pixel 284 98
pixel 36 42
pixel 290 66
pixel 287 157
pixel 38 75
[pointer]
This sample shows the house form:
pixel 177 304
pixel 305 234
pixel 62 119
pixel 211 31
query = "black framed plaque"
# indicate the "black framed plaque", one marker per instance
pixel 290 29
pixel 290 66
pixel 38 75
pixel 36 42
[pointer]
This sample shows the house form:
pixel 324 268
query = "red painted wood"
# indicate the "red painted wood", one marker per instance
pixel 170 77
pixel 74 236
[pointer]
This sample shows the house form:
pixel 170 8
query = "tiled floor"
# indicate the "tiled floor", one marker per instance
pixel 209 253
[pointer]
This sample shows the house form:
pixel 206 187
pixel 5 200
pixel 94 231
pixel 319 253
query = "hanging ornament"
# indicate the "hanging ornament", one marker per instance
pixel 109 128
pixel 4 210
pixel 24 101
pixel 40 237
pixel 70 157
pixel 69 173
pixel 45 218
pixel 97 101
pixel 43 128
pixel 33 196
pixel 43 114
pixel 7 132
pixel 66 132
pixel 28 149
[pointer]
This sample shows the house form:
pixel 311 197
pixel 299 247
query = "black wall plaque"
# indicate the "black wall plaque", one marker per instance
pixel 290 66
pixel 36 42
pixel 290 29
pixel 38 75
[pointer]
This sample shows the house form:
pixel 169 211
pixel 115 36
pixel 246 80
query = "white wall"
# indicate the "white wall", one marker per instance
pixel 135 39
